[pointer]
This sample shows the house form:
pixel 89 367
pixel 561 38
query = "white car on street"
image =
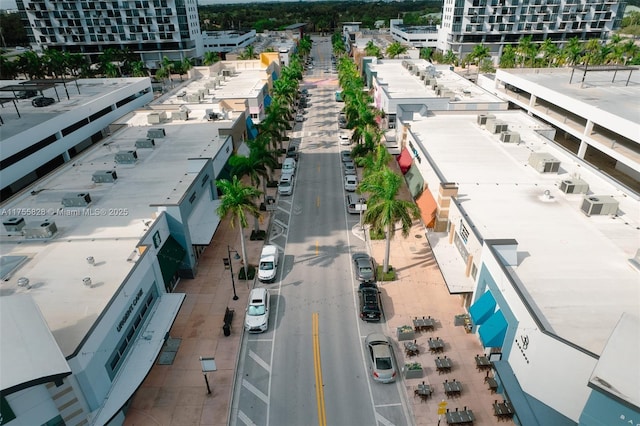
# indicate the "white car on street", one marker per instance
pixel 344 139
pixel 257 317
pixel 350 183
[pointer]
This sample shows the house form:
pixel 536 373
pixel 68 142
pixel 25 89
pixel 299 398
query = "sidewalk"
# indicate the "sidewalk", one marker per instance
pixel 177 394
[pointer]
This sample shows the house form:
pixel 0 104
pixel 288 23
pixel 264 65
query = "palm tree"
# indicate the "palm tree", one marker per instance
pixel 395 49
pixel 248 53
pixel 372 50
pixel 450 58
pixel 183 67
pixel 572 51
pixel 374 162
pixel 549 51
pixel 526 50
pixel 210 58
pixel 238 200
pixel 139 69
pixel 508 58
pixel 384 211
pixel 257 165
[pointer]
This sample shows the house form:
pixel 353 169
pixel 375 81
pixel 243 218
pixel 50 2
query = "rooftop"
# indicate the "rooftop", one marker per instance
pixel 56 267
pixel 404 85
pixel 575 268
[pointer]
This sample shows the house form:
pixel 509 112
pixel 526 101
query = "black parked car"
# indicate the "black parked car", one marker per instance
pixel 42 102
pixel 370 305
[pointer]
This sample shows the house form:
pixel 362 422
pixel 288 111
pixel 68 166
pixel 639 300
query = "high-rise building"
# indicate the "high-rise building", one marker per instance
pixel 151 28
pixel 497 23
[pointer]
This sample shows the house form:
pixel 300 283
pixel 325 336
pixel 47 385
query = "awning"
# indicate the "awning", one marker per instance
pixel 267 101
pixel 405 160
pixel 202 222
pixel 170 257
pixel 428 206
pixel 415 181
pixel 492 332
pixel 143 354
pixel 252 132
pixel 483 308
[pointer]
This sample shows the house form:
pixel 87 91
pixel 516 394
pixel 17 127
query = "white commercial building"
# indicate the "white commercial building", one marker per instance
pixel 414 35
pixel 227 41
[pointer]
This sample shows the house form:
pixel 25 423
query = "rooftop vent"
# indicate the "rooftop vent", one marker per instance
pixel 496 126
pixel 544 162
pixel 510 137
pixel 156 117
pixel 599 205
pixel 482 118
pixel 145 143
pixel 14 224
pixel 574 186
pixel 44 229
pixel 104 176
pixel 76 200
pixel 156 133
pixel 126 157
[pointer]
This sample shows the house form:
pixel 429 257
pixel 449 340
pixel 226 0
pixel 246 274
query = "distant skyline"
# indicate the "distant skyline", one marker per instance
pixel 11 4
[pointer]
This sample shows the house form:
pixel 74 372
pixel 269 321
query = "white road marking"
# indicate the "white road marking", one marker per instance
pixel 262 363
pixel 245 419
pixel 382 420
pixel 254 390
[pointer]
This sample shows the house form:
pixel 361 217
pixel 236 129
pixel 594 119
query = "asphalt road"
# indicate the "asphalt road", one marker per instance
pixel 309 368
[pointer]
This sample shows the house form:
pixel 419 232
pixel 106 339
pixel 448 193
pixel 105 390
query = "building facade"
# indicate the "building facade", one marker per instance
pixel 152 29
pixel 418 36
pixel 227 41
pixel 497 23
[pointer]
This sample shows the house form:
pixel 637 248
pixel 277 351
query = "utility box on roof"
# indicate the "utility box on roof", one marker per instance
pixel 73 199
pixel 156 133
pixel 14 224
pixel 599 205
pixel 145 143
pixel 574 186
pixel 126 157
pixel 44 229
pixel 544 162
pixel 104 176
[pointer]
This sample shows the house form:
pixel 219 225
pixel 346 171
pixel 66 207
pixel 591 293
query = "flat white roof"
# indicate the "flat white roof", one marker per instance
pixel 598 92
pixel 402 84
pixel 575 268
pixel 56 267
pixel 26 340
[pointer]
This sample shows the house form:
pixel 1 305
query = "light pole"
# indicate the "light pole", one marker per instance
pixel 227 262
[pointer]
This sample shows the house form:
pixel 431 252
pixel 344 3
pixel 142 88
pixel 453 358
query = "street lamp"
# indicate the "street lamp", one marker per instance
pixel 208 364
pixel 229 264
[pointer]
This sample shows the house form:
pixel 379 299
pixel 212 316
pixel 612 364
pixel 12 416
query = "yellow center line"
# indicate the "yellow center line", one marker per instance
pixel 322 417
pixel 318 201
pixel 317 248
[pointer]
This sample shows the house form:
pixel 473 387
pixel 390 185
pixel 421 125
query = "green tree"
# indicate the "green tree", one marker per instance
pixel 256 166
pixel 395 49
pixel 426 53
pixel 508 58
pixel 237 201
pixel 572 51
pixel 248 53
pixel 384 210
pixel 450 58
pixel 211 58
pixel 372 50
pixel 526 50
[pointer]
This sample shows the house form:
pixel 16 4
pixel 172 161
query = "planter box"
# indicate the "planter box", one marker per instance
pixel 412 374
pixel 406 335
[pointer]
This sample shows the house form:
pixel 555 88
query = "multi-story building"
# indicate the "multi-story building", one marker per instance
pixel 151 28
pixel 227 41
pixel 497 23
pixel 414 35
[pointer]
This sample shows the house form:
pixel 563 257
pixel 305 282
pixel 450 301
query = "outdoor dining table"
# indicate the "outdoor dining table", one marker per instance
pixel 443 365
pixel 411 348
pixel 452 388
pixel 436 345
pixel 482 363
pixel 493 384
pixel 503 410
pixel 423 390
pixel 462 417
pixel 424 323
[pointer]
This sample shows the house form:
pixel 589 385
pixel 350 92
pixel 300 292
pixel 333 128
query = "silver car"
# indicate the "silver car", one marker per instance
pixel 382 362
pixel 349 168
pixel 285 186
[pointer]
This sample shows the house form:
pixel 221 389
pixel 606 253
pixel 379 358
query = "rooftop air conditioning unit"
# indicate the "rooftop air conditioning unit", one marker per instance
pixel 544 162
pixel 44 229
pixel 482 118
pixel 14 224
pixel 226 73
pixel 104 176
pixel 156 133
pixel 496 126
pixel 145 143
pixel 599 205
pixel 193 97
pixel 510 137
pixel 574 186
pixel 180 115
pixel 126 157
pixel 156 117
pixel 72 199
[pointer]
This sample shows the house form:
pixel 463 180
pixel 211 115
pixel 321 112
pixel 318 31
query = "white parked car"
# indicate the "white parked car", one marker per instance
pixel 285 186
pixel 289 166
pixel 344 139
pixel 257 317
pixel 350 183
